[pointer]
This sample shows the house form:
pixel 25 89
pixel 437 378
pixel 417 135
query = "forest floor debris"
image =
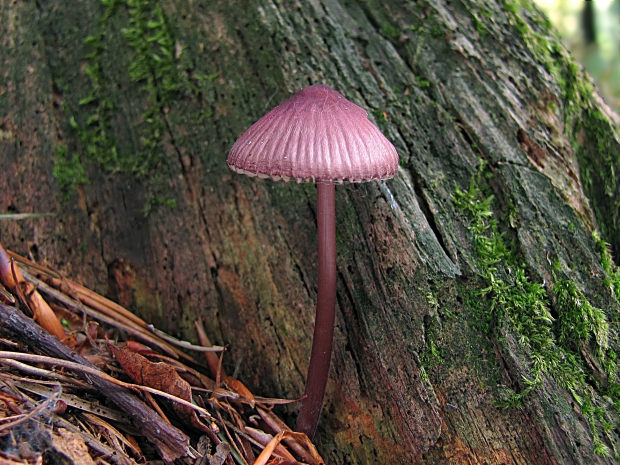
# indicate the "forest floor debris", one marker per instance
pixel 85 381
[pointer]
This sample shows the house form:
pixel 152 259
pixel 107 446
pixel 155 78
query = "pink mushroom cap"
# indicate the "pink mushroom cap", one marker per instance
pixel 316 135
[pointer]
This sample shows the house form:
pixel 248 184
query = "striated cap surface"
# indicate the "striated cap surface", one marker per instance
pixel 316 135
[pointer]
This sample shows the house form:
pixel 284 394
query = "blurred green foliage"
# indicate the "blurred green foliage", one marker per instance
pixel 602 57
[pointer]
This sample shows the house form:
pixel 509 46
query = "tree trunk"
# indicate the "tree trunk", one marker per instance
pixel 473 298
pixel 588 23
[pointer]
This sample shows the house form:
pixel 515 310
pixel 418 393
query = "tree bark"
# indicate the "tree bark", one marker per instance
pixel 468 329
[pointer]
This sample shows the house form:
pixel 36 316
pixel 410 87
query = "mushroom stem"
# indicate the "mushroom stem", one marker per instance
pixel 320 356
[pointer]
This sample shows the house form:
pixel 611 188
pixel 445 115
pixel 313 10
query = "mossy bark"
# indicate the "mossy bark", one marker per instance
pixel 144 99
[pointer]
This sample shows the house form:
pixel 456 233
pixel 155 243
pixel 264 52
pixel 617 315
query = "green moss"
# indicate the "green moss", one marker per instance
pixel 390 32
pixel 155 200
pixel 486 13
pixel 432 302
pixel 68 170
pixel 509 302
pixel 598 152
pixel 597 129
pixel 610 364
pixel 579 322
pixel 596 415
pixel 480 27
pixel 422 82
pixel 546 47
pixel 511 8
pixel 612 273
pixel 433 353
pixel 156 66
pixel 590 132
pixel 436 31
pixel 94 130
pixel 380 116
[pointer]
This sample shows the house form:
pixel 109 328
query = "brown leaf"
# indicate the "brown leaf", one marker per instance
pixel 274 444
pixel 238 387
pixel 271 443
pixel 160 376
pixel 93 303
pixel 113 436
pixel 11 277
pixel 269 449
pixel 212 359
pixel 302 439
pixel 42 312
pixel 277 425
pixel 139 348
pixel 71 447
pixel 5 296
pixel 7 270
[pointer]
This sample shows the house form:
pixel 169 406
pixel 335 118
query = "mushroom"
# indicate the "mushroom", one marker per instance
pixel 317 135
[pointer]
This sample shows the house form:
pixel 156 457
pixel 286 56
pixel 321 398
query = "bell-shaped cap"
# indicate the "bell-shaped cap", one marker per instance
pixel 316 135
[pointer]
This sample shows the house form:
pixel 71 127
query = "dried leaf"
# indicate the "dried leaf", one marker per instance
pixel 267 440
pixel 160 376
pixel 298 449
pixel 212 359
pixel 263 458
pixel 273 445
pixel 79 305
pixel 307 444
pixel 222 451
pixel 72 447
pixel 11 277
pixel 114 436
pixel 134 445
pixel 274 401
pixel 101 308
pixel 75 401
pixel 140 348
pixel 62 288
pixel 43 313
pixel 6 297
pixel 238 387
pixel 7 269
